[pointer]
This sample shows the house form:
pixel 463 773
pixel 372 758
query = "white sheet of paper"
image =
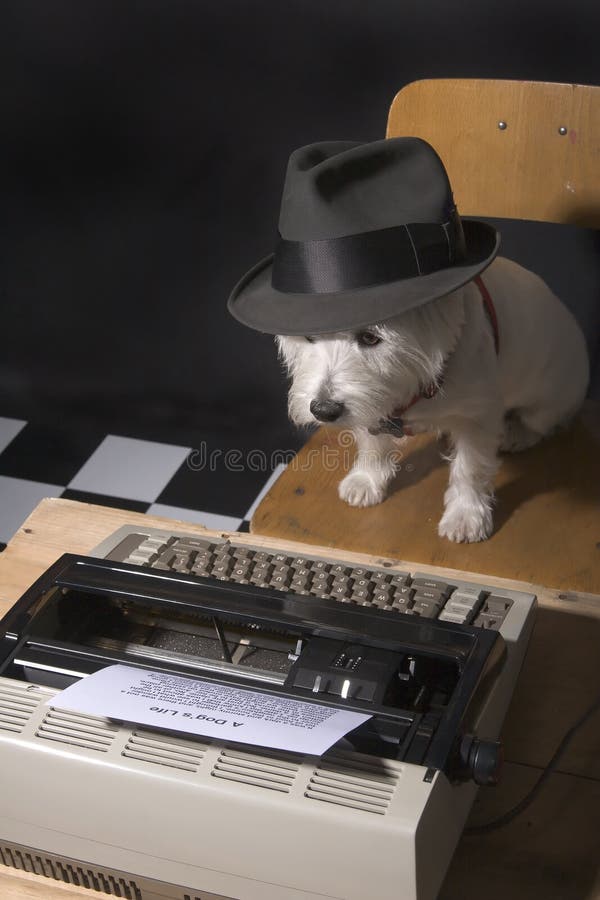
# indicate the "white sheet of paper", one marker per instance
pixel 206 708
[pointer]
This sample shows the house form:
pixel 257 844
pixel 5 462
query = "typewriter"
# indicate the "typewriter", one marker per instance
pixel 152 814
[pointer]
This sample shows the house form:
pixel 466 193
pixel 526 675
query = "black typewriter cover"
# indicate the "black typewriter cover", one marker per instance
pixel 422 681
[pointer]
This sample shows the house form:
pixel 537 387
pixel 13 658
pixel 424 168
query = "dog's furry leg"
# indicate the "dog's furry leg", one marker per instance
pixel 517 435
pixel 469 498
pixel 374 467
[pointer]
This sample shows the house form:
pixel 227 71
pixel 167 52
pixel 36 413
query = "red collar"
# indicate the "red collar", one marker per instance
pixel 432 389
pixel 490 310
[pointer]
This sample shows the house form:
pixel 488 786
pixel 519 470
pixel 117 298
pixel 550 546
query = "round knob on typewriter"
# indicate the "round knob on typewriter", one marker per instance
pixel 482 760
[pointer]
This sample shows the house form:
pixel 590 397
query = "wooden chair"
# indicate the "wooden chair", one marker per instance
pixel 512 149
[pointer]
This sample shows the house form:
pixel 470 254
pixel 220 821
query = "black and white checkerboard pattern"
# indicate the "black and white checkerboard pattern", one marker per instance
pixel 178 482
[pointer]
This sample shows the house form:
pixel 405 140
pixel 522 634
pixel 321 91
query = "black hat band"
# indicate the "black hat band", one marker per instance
pixel 372 257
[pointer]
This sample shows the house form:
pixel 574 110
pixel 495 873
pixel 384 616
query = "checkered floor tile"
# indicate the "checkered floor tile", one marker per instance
pixel 217 487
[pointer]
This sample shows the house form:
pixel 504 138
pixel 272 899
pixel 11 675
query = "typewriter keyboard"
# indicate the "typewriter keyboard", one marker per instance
pixel 386 588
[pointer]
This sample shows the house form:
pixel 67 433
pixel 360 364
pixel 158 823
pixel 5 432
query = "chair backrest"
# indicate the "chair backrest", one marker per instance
pixel 512 149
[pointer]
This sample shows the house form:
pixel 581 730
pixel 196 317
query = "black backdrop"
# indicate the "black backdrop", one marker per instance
pixel 142 155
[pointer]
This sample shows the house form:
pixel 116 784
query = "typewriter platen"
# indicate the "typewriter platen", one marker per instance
pixel 230 821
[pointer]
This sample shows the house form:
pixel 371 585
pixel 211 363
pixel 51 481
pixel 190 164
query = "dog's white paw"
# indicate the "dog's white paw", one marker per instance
pixel 360 489
pixel 468 523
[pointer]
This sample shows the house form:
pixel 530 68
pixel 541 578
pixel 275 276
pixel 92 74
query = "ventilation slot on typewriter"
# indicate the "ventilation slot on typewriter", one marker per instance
pixel 205 896
pixel 347 779
pixel 276 772
pixel 77 729
pixel 69 871
pixel 16 707
pixel 161 750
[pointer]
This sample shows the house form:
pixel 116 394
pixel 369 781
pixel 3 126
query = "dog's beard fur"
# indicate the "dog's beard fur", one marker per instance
pixel 372 381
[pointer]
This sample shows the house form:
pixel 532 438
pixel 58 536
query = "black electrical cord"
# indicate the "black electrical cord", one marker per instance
pixel 528 799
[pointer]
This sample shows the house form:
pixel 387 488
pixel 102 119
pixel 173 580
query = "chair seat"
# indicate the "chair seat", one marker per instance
pixel 546 522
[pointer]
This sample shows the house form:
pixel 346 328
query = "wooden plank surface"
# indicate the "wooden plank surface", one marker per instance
pixel 527 170
pixel 546 521
pixel 25 886
pixel 550 853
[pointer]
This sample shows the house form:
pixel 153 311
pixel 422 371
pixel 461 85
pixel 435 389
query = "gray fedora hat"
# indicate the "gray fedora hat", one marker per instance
pixel 366 231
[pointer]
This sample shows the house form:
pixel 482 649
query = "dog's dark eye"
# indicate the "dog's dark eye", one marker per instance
pixel 308 338
pixel 368 338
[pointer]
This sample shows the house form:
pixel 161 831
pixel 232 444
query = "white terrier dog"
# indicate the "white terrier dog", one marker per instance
pixel 436 366
pixel 395 316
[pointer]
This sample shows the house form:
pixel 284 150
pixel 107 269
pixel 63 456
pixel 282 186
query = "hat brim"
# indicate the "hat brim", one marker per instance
pixel 256 303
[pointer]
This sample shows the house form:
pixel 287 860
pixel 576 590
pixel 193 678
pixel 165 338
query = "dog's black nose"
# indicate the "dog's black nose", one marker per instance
pixel 326 410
